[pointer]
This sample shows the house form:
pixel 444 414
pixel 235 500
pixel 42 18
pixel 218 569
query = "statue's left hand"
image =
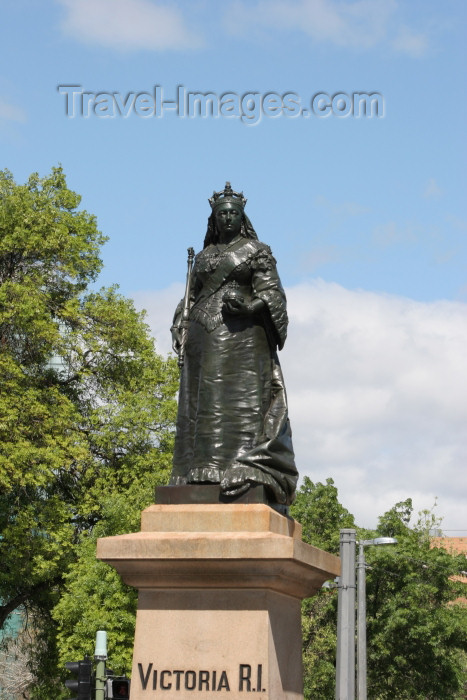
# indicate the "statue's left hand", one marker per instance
pixel 238 307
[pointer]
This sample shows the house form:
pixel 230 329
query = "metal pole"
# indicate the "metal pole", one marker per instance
pixel 361 615
pixel 345 662
pixel 100 656
pixel 100 680
pixel 361 623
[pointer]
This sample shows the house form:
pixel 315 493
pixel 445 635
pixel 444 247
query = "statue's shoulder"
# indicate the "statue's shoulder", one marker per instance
pixel 204 252
pixel 262 257
pixel 264 248
pixel 258 247
pixel 205 256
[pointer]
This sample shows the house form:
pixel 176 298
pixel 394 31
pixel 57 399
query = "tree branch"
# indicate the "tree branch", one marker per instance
pixel 22 598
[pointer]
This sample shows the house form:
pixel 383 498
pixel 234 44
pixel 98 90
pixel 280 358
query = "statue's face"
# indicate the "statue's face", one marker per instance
pixel 228 220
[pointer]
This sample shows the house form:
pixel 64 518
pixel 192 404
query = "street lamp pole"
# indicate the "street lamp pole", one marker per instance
pixel 361 623
pixel 345 661
pixel 361 612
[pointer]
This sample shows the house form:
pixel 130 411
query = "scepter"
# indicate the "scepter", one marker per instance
pixel 186 309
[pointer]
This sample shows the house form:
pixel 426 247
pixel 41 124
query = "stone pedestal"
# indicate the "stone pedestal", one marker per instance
pixel 220 587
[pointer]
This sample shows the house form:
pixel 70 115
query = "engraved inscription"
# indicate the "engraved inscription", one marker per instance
pixel 250 679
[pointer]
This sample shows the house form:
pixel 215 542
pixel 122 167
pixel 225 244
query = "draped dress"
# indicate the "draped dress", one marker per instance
pixel 232 424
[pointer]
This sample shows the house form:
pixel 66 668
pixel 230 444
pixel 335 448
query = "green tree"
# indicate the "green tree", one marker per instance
pixel 321 515
pixel 86 405
pixel 416 632
pixel 94 596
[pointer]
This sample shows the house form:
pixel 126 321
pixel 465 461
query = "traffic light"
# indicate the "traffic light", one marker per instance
pixel 83 683
pixel 117 688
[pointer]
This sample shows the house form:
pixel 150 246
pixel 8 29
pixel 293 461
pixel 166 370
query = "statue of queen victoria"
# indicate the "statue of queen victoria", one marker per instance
pixel 232 426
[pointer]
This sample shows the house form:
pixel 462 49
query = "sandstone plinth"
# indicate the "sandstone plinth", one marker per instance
pixel 220 587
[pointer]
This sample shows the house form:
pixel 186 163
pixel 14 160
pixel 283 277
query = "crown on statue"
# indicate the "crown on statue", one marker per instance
pixel 227 195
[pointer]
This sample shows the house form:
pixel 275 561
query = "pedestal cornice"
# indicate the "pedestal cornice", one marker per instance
pixel 239 546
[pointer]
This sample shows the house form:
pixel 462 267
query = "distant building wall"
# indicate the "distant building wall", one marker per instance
pixel 456 545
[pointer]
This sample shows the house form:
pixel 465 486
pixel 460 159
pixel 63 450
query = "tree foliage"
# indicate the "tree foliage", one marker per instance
pixel 94 596
pixel 86 405
pixel 416 631
pixel 317 509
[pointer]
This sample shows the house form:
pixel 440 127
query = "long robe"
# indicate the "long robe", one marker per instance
pixel 232 425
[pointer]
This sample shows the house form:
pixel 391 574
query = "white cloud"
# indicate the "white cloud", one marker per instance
pixel 153 25
pixel 10 112
pixel 456 222
pixel 410 43
pixel 377 389
pixel 128 24
pixel 378 397
pixel 340 210
pixel 361 24
pixel 160 307
pixel 432 189
pixel 319 256
pixel 392 232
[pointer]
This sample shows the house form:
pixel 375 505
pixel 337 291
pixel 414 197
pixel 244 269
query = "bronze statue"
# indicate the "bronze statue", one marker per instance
pixel 232 425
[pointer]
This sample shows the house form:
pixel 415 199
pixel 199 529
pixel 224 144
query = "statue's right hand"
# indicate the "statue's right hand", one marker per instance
pixel 176 339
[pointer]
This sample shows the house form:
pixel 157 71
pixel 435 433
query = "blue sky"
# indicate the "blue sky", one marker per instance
pixel 366 216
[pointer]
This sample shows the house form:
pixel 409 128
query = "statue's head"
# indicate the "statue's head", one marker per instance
pixel 227 195
pixel 222 201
